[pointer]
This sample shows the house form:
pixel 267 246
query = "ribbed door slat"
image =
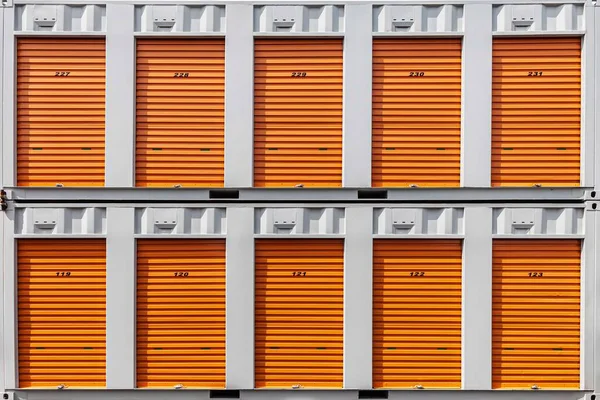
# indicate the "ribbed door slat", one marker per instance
pixel 536 314
pixel 181 313
pixel 416 112
pixel 180 112
pixel 417 313
pixel 536 111
pixel 299 313
pixel 60 111
pixel 298 112
pixel 61 313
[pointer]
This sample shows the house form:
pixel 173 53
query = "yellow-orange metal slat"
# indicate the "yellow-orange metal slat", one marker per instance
pixel 60 111
pixel 181 313
pixel 298 112
pixel 536 314
pixel 180 112
pixel 416 112
pixel 299 313
pixel 417 313
pixel 536 111
pixel 61 313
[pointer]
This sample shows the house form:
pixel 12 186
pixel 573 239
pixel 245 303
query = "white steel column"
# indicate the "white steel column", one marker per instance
pixel 7 107
pixel 477 300
pixel 594 219
pixel 588 81
pixel 240 299
pixel 120 298
pixel 588 287
pixel 476 140
pixel 595 95
pixel 239 96
pixel 120 95
pixel 358 298
pixel 9 300
pixel 358 77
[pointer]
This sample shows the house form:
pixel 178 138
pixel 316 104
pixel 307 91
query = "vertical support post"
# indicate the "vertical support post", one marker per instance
pixel 358 299
pixel 240 299
pixel 7 106
pixel 476 140
pixel 477 300
pixel 588 289
pixel 239 96
pixel 9 299
pixel 120 95
pixel 358 77
pixel 120 298
pixel 588 101
pixel 592 325
pixel 592 94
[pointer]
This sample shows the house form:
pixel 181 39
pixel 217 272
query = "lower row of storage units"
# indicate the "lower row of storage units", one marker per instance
pixel 299 312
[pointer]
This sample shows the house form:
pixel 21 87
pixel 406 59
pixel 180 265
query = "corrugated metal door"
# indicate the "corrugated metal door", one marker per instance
pixel 60 111
pixel 298 112
pixel 536 314
pixel 181 313
pixel 180 112
pixel 417 313
pixel 416 112
pixel 62 313
pixel 536 115
pixel 299 313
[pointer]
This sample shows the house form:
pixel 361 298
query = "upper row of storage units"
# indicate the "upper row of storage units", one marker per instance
pixel 417 90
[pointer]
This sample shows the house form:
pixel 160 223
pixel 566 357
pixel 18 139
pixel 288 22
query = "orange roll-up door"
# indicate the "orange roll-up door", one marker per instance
pixel 180 118
pixel 181 313
pixel 298 112
pixel 417 313
pixel 60 111
pixel 536 114
pixel 299 313
pixel 536 314
pixel 416 112
pixel 62 313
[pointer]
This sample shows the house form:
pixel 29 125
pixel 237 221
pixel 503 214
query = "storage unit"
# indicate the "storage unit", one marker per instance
pixel 536 314
pixel 299 313
pixel 536 115
pixel 62 313
pixel 417 313
pixel 181 313
pixel 298 112
pixel 180 112
pixel 416 112
pixel 60 111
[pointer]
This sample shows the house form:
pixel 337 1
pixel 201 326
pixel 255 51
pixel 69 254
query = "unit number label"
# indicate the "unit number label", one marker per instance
pixel 184 274
pixel 301 273
pixel 416 73
pixel 63 273
pixel 535 73
pixel 181 75
pixel 299 74
pixel 417 273
pixel 536 274
pixel 62 73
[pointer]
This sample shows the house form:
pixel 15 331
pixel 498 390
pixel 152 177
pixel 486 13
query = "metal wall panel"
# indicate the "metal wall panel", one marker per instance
pixel 298 112
pixel 536 117
pixel 60 111
pixel 536 314
pixel 62 313
pixel 417 313
pixel 299 313
pixel 181 313
pixel 180 112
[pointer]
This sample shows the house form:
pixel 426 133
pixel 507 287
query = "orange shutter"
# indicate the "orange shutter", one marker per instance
pixel 536 314
pixel 181 313
pixel 299 313
pixel 298 112
pixel 180 112
pixel 60 111
pixel 62 313
pixel 536 116
pixel 416 112
pixel 417 313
